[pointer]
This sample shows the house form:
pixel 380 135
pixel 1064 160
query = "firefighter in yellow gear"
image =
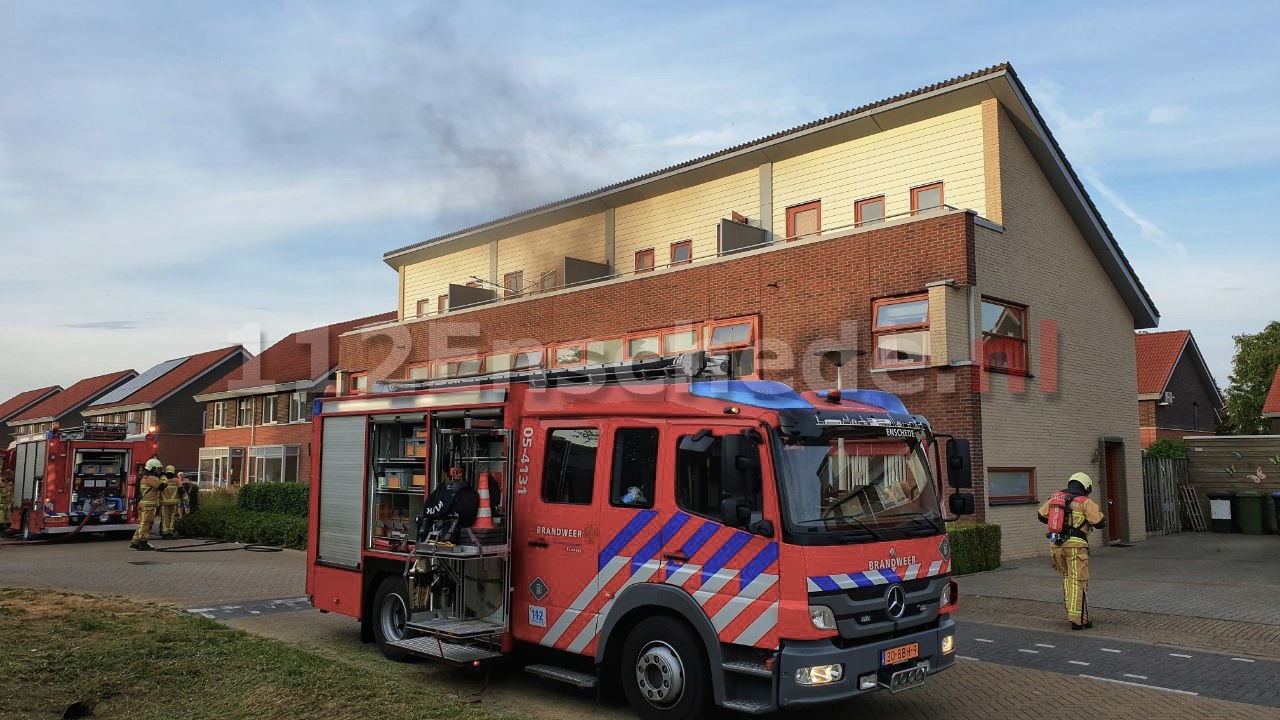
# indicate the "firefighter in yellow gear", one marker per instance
pixel 150 487
pixel 1070 557
pixel 169 502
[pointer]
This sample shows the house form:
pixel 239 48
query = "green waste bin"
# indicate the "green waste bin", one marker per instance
pixel 1250 504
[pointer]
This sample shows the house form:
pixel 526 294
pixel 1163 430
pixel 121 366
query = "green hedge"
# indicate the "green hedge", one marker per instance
pixel 280 498
pixel 974 547
pixel 245 526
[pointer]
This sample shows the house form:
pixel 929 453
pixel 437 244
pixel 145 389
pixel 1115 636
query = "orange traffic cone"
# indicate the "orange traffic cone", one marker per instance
pixel 484 518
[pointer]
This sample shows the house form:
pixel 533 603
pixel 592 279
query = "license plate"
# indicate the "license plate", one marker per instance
pixel 902 653
pixel 909 678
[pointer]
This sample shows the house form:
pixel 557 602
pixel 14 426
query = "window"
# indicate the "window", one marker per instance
pixel 513 283
pixel 644 261
pixel 604 351
pixel 730 335
pixel 567 355
pixel 269 404
pixel 869 211
pixel 926 197
pixel 902 331
pixel 569 470
pixel 641 347
pixel 464 367
pixel 1004 336
pixel 424 307
pixel 804 220
pixel 635 467
pixel 1011 485
pixel 698 475
pixel 298 408
pixel 273 463
pixel 219 414
pixel 359 384
pixel 442 303
pixel 682 252
pixel 510 362
pixel 679 341
pixel 420 372
pixel 244 412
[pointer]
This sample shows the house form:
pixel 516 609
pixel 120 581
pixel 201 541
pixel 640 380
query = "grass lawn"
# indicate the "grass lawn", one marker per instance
pixel 150 662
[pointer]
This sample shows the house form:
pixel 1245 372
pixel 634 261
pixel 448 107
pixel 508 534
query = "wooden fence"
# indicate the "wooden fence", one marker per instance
pixel 1161 479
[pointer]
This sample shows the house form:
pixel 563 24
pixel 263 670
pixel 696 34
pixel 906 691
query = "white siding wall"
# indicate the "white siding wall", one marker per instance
pixel 689 214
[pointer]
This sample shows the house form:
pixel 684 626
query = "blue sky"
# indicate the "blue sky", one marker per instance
pixel 175 176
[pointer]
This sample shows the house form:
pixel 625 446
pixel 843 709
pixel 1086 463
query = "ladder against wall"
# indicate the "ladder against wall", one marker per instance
pixel 1191 504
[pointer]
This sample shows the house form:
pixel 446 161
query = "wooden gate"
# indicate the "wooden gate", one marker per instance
pixel 1160 480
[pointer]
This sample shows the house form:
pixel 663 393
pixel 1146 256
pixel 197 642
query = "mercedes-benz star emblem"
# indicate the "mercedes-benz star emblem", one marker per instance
pixel 895 601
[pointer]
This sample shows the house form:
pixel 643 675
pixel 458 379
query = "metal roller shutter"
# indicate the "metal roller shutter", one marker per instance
pixel 341 490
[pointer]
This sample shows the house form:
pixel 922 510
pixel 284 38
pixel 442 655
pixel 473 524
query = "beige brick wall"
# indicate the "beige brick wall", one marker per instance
pixel 1042 260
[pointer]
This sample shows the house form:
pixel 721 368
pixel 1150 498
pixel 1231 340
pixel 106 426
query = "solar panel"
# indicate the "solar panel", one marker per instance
pixel 138 383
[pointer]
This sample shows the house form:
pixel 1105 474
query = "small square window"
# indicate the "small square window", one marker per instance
pixel 641 347
pixel 869 211
pixel 442 303
pixel 804 220
pixel 926 197
pixel 644 261
pixel 682 252
pixel 567 355
pixel 424 307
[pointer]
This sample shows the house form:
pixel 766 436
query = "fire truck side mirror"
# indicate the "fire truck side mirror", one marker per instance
pixel 733 513
pixel 739 458
pixel 960 504
pixel 959 471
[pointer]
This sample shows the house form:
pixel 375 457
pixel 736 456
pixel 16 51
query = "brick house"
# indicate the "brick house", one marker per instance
pixel 257 420
pixel 16 405
pixel 1177 395
pixel 160 398
pixel 942 232
pixel 66 408
pixel 1271 408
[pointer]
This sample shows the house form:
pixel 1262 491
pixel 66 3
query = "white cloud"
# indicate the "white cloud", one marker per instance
pixel 1166 114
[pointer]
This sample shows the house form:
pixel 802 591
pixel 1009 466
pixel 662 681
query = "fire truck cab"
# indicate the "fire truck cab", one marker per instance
pixel 75 480
pixel 644 526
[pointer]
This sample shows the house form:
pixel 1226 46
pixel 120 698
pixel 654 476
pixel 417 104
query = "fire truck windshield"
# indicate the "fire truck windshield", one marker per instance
pixel 856 485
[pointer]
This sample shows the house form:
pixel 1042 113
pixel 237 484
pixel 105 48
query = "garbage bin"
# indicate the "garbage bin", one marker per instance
pixel 1250 506
pixel 1275 504
pixel 1220 504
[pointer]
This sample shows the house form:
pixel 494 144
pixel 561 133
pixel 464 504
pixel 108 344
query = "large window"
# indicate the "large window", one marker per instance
pixel 270 410
pixel 635 467
pixel 1011 485
pixel 926 197
pixel 869 211
pixel 568 475
pixel 244 412
pixel 299 411
pixel 902 331
pixel 804 220
pixel 273 463
pixel 1004 336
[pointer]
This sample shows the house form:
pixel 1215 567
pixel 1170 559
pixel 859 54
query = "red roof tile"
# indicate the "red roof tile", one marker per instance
pixel 190 369
pixel 20 401
pixel 1272 405
pixel 307 355
pixel 74 397
pixel 1157 354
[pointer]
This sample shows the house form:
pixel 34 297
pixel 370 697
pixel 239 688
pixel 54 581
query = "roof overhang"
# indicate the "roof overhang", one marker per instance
pixel 999 82
pixel 109 409
pixel 31 421
pixel 261 390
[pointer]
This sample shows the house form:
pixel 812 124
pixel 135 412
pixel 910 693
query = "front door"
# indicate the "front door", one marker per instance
pixel 1115 492
pixel 555 532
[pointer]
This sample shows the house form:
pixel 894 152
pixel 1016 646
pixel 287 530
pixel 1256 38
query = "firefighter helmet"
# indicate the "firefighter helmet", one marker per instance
pixel 153 464
pixel 1085 481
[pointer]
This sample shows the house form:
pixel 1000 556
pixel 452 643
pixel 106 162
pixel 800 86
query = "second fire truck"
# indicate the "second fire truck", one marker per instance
pixel 646 527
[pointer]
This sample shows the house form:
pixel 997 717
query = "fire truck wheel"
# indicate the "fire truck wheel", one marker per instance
pixel 390 612
pixel 664 671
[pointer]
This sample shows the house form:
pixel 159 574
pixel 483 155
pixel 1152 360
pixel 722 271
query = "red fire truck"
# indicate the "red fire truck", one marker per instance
pixel 653 527
pixel 63 476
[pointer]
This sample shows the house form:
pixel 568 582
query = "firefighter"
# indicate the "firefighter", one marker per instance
pixel 1071 557
pixel 168 502
pixel 151 485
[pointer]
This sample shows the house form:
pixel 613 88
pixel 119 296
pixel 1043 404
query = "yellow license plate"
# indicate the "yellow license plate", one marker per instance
pixel 902 653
